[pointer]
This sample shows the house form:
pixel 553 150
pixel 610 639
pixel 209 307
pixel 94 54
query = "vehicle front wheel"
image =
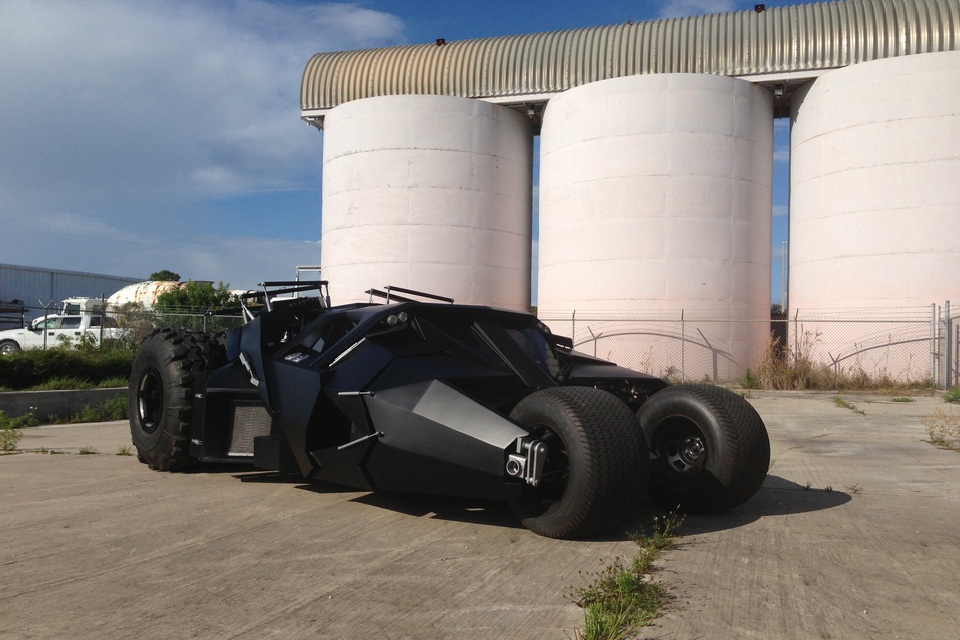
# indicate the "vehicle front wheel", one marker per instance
pixel 710 450
pixel 595 474
pixel 8 346
pixel 160 396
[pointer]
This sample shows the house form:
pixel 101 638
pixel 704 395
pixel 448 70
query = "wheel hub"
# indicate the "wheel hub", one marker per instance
pixel 686 455
pixel 150 401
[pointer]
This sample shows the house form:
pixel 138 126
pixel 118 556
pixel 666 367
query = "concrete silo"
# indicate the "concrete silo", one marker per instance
pixel 875 184
pixel 430 193
pixel 655 201
pixel 874 204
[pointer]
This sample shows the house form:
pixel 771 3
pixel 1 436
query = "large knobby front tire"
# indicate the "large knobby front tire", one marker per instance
pixel 161 392
pixel 596 470
pixel 710 450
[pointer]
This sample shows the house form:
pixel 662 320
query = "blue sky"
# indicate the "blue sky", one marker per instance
pixel 165 134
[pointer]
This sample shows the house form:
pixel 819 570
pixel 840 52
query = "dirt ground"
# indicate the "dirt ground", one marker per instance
pixel 855 534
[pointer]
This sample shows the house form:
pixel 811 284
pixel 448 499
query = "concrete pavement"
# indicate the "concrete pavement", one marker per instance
pixel 855 534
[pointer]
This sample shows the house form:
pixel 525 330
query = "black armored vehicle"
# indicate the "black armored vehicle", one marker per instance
pixel 416 394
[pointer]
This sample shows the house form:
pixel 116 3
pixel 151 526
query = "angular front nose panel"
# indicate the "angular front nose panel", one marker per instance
pixel 437 440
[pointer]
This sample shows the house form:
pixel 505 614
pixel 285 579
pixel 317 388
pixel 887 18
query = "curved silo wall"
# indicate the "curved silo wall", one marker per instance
pixel 655 205
pixel 874 205
pixel 429 193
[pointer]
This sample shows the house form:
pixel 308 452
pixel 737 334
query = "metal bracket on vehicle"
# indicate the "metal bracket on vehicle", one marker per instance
pixel 246 365
pixel 528 461
pixel 378 434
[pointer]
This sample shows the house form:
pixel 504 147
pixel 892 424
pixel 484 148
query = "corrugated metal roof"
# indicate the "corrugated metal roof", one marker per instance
pixel 792 39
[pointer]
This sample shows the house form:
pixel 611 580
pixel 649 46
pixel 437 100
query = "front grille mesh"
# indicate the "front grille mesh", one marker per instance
pixel 249 421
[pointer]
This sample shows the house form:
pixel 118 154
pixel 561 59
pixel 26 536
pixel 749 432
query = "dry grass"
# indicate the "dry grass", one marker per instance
pixel 944 429
pixel 794 369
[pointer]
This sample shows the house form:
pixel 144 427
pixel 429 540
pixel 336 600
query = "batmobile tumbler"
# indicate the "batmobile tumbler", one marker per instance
pixel 417 394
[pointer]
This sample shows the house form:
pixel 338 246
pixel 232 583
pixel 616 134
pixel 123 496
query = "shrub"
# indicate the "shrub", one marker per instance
pixel 58 384
pixel 113 409
pixel 10 430
pixel 33 367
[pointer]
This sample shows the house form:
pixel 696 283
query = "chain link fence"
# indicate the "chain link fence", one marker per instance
pixel 128 325
pixel 909 345
pixel 136 324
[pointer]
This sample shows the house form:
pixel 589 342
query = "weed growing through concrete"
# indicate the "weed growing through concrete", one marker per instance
pixel 87 451
pixel 902 399
pixel 843 404
pixel 9 437
pixel 10 430
pixel 124 451
pixel 855 489
pixel 944 429
pixel 952 395
pixel 625 595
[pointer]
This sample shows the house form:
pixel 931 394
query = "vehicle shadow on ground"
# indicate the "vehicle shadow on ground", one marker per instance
pixel 452 508
pixel 777 497
pixel 274 477
pixel 468 510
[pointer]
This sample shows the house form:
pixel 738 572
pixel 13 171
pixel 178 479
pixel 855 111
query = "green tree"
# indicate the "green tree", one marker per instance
pixel 165 275
pixel 198 296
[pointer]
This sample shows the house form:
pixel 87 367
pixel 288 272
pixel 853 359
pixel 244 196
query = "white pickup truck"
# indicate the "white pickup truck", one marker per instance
pixel 51 327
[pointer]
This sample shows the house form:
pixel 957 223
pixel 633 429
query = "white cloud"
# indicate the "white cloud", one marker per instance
pixel 243 261
pixel 133 117
pixel 154 95
pixel 781 137
pixel 685 8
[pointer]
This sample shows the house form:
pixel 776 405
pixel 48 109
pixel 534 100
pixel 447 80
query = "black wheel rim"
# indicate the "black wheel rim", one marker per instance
pixel 150 400
pixel 556 474
pixel 681 447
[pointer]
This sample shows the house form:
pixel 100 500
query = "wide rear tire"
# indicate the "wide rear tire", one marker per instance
pixel 710 450
pixel 596 470
pixel 162 387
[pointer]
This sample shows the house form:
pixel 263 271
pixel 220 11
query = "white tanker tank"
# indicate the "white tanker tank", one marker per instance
pixel 143 293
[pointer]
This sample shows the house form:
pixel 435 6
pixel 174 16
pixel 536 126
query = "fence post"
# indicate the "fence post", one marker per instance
pixel 573 326
pixel 683 347
pixel 947 334
pixel 934 375
pixel 103 314
pixel 956 351
pixel 796 342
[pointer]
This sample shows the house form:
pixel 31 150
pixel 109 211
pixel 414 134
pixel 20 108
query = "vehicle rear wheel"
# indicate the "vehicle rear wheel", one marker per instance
pixel 595 474
pixel 7 347
pixel 161 392
pixel 710 450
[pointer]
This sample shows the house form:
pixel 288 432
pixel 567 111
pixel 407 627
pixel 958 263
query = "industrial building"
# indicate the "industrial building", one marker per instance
pixel 656 155
pixel 36 287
